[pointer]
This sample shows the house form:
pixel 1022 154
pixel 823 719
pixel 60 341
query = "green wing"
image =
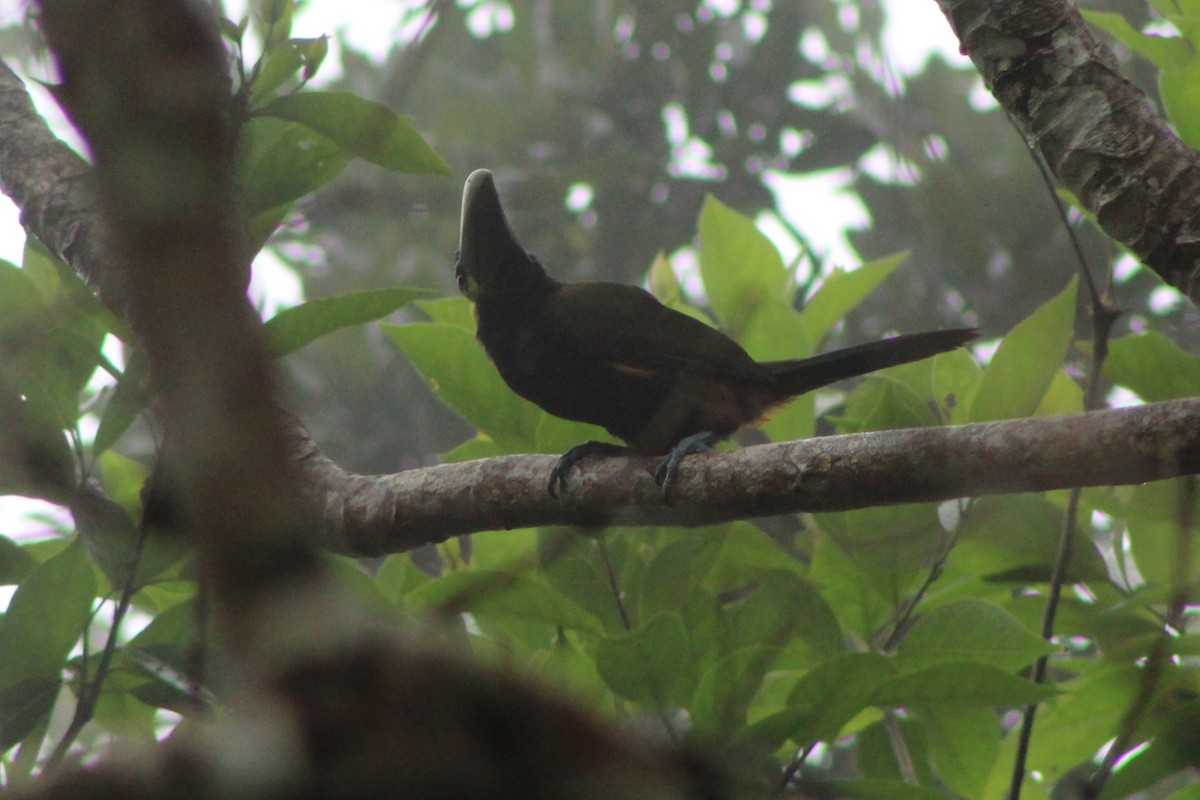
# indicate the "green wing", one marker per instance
pixel 628 328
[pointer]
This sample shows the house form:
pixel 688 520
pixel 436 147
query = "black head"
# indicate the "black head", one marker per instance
pixel 489 256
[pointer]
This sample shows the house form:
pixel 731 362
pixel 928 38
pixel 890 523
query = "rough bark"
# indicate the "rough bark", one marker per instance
pixel 1097 132
pixel 834 473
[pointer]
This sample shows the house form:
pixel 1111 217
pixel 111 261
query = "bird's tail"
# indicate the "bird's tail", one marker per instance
pixel 802 375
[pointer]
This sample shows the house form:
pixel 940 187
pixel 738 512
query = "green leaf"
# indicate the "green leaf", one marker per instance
pixel 459 372
pixel 457 311
pixel 108 532
pixel 572 564
pixel 782 606
pixel 23 706
pixel 973 630
pixel 877 789
pixel 21 297
pixel 37 460
pixel 231 30
pixel 1180 91
pixel 1064 396
pixel 279 65
pixel 841 292
pixel 726 689
pixel 131 395
pixel 739 265
pixel 1022 369
pixel 956 378
pixel 398 576
pixel 670 576
pixel 742 552
pixel 645 664
pixel 1153 366
pixel 512 550
pixel 281 161
pixel 967 684
pixel 1164 52
pixel 1172 752
pixel 500 593
pixel 46 617
pixel 880 403
pixel 478 447
pixel 890 545
pixel 314 51
pixel 363 128
pixel 855 595
pixel 15 563
pixel 58 281
pixel 875 755
pixel 48 350
pixel 664 283
pixel 772 330
pixel 294 328
pixel 1015 538
pixel 1159 552
pixel 964 744
pixel 1072 728
pixel 823 701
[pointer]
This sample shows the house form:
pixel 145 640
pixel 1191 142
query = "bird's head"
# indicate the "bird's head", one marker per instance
pixel 489 256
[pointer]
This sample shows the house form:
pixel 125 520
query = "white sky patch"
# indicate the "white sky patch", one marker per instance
pixel 12 238
pixel 274 285
pixel 915 31
pixel 25 519
pixel 822 207
pixel 1164 299
pixel 883 163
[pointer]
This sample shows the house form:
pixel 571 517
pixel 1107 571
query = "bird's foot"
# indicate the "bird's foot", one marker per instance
pixel 558 475
pixel 668 468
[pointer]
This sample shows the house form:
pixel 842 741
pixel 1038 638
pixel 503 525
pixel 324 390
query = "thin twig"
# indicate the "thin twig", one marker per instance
pixel 904 759
pixel 935 572
pixel 659 701
pixel 602 547
pixel 90 689
pixel 1104 316
pixel 789 773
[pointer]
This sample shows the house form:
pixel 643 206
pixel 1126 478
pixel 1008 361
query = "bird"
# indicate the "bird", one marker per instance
pixel 612 355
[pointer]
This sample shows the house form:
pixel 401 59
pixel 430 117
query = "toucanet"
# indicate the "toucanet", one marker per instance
pixel 614 356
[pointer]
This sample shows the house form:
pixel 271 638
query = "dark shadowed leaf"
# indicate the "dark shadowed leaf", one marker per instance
pixel 23 705
pixel 645 664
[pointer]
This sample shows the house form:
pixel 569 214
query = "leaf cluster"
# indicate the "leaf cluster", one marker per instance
pixel 895 639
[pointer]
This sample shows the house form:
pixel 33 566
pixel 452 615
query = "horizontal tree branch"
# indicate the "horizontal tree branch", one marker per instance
pixel 383 514
pixel 390 513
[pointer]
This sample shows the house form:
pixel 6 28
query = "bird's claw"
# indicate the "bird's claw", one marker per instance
pixel 668 469
pixel 558 478
pixel 558 475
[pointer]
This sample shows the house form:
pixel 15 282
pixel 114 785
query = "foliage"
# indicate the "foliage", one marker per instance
pixel 878 637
